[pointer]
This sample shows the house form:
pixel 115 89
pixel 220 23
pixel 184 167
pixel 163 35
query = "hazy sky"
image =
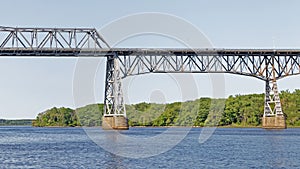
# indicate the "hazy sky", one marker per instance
pixel 31 85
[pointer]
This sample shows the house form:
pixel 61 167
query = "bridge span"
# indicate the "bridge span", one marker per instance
pixel 268 65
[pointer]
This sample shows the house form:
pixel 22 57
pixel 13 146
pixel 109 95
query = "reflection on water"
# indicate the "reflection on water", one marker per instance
pixel 132 142
pixel 26 147
pixel 114 162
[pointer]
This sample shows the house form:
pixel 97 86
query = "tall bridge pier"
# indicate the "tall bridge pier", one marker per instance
pixel 114 116
pixel 268 65
pixel 273 116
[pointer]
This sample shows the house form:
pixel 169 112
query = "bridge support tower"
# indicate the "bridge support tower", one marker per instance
pixel 273 116
pixel 114 116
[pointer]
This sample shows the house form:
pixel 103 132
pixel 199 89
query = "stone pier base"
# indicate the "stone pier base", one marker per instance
pixel 274 122
pixel 114 123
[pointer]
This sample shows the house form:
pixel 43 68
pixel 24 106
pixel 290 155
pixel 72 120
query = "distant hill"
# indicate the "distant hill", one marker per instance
pixel 237 111
pixel 23 122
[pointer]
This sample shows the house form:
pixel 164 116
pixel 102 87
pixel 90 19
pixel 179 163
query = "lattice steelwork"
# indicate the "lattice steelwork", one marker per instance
pixel 263 64
pixel 48 41
pixel 272 99
pixel 114 103
pixel 266 64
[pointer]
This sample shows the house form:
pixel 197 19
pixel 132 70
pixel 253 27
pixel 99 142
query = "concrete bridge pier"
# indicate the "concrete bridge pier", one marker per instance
pixel 274 122
pixel 114 123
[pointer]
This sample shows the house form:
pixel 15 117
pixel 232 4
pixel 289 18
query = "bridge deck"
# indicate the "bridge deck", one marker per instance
pixel 74 52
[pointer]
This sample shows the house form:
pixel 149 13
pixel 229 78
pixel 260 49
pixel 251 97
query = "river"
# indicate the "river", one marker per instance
pixel 28 147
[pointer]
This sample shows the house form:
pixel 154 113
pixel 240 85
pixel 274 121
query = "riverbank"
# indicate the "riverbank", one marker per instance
pixel 19 122
pixel 227 126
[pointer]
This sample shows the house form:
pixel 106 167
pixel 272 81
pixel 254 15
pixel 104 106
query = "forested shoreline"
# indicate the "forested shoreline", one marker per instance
pixel 235 111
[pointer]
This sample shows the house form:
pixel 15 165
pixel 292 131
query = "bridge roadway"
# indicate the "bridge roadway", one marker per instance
pixel 103 52
pixel 249 62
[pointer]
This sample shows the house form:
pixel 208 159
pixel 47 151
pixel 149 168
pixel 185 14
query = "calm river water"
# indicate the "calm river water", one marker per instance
pixel 27 147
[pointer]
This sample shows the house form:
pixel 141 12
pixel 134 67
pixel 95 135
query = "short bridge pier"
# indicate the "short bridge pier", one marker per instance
pixel 268 65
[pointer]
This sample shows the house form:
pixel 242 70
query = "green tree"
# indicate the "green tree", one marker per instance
pixel 64 117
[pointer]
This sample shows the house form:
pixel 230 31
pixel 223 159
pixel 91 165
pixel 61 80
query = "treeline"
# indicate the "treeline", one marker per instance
pixel 64 117
pixel 239 110
pixel 25 122
pixel 204 111
pixel 90 115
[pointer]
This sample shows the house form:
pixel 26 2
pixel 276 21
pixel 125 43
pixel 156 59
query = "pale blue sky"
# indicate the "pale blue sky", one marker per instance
pixel 30 85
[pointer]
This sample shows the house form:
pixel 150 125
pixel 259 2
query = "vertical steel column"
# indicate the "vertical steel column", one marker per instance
pixel 108 93
pixel 276 99
pixel 267 108
pixel 113 102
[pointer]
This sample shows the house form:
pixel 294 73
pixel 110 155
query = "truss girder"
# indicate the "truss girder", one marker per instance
pixel 259 66
pixel 50 38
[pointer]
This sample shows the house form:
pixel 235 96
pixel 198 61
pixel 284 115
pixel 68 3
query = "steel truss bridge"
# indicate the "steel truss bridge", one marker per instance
pixel 268 65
